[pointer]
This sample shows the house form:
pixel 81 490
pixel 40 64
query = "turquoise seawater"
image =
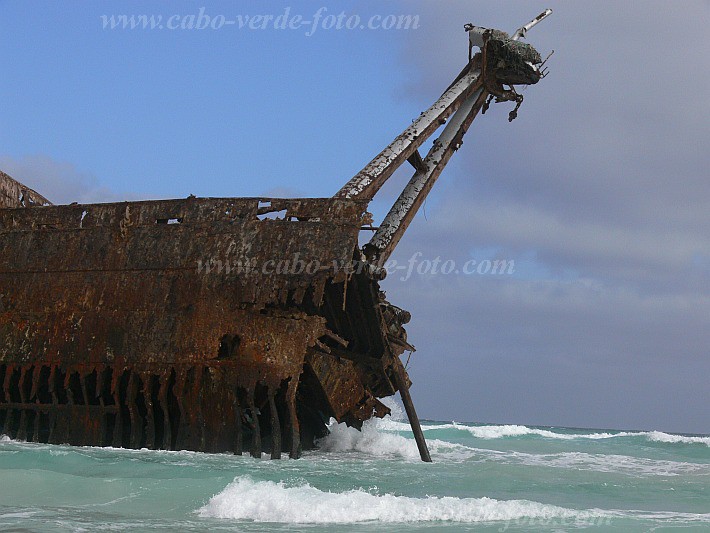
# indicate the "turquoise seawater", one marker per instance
pixel 483 478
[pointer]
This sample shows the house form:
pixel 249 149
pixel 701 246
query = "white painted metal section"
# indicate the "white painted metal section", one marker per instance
pixel 520 33
pixel 369 180
pixel 421 179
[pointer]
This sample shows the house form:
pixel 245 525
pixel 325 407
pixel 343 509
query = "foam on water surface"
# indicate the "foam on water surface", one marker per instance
pixel 493 431
pixel 514 477
pixel 383 439
pixel 266 501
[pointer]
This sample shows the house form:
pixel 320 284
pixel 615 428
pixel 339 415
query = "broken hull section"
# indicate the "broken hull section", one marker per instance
pixel 15 194
pixel 214 325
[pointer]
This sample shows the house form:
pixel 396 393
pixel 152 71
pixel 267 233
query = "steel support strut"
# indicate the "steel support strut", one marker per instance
pixel 402 212
pixel 402 385
pixel 370 179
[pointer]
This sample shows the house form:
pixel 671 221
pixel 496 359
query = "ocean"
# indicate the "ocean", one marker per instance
pixel 484 477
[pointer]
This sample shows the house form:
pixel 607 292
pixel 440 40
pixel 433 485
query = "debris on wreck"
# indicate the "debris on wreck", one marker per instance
pixel 166 325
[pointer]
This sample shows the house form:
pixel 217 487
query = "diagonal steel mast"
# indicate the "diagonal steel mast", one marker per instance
pixel 410 200
pixel 368 181
pixel 464 99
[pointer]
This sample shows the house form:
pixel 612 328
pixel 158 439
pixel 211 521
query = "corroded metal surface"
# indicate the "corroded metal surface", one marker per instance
pixel 15 194
pixel 187 324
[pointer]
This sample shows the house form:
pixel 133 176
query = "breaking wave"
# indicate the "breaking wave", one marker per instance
pixel 392 438
pixel 267 501
pixel 659 436
pixel 612 463
pixel 374 441
pixel 378 438
pixel 512 430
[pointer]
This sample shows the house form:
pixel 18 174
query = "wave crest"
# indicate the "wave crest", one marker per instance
pixel 493 431
pixel 376 438
pixel 267 501
pixel 659 436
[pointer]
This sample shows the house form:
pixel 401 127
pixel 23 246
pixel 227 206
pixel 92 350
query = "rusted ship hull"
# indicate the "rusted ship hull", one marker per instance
pixel 197 324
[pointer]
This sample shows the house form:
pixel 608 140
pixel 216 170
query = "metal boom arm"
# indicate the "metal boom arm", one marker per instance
pixel 402 212
pixel 368 181
pixel 410 200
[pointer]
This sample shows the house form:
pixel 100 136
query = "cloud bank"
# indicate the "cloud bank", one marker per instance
pixel 599 192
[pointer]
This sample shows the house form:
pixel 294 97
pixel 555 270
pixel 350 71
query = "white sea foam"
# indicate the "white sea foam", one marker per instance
pixel 513 430
pixel 496 432
pixel 383 438
pixel 501 431
pixel 378 438
pixel 659 436
pixel 369 441
pixel 620 464
pixel 375 440
pixel 267 501
pixel 391 424
pixel 663 518
pixel 21 514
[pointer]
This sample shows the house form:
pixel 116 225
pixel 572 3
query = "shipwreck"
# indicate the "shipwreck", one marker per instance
pixel 168 324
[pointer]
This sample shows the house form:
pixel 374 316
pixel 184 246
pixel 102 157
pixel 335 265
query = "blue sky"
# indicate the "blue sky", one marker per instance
pixel 158 114
pixel 598 191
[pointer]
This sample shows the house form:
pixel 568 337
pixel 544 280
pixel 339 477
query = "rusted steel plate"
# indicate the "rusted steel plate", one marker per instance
pixel 139 324
pixel 15 194
pixel 341 383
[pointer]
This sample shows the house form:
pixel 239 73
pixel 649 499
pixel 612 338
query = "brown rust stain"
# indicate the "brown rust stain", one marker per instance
pixel 179 324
